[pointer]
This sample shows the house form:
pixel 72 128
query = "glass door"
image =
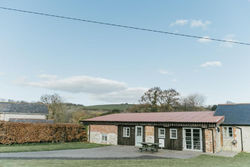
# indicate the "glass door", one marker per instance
pixel 192 139
pixel 138 135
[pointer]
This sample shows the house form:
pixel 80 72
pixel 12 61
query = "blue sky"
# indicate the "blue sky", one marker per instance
pixel 93 64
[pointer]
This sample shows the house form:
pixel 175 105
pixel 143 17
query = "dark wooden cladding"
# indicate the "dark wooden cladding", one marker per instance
pixel 126 140
pixel 171 144
pixel 175 144
pixel 203 141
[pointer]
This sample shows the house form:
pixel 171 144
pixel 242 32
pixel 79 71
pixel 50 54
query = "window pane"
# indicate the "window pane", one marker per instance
pixel 139 131
pixel 230 131
pixel 126 132
pixel 173 133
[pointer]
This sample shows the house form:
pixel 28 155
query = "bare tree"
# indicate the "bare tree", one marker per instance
pixel 169 99
pixel 193 102
pixel 55 107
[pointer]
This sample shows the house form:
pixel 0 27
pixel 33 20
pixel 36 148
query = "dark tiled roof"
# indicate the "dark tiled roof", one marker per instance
pixel 235 114
pixel 187 117
pixel 34 108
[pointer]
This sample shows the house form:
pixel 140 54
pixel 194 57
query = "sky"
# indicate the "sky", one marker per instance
pixel 94 64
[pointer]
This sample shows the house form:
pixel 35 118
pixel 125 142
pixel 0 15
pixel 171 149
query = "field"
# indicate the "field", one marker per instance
pixel 46 146
pixel 241 160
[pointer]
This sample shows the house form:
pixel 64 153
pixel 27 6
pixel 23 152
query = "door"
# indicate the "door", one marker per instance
pixel 138 135
pixel 161 137
pixel 192 139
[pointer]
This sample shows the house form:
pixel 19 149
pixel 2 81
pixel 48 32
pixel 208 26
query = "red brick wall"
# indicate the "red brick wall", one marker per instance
pixel 209 138
pixel 103 128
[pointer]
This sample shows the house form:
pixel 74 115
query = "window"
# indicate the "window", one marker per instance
pixel 104 138
pixel 173 133
pixel 228 132
pixel 161 133
pixel 126 132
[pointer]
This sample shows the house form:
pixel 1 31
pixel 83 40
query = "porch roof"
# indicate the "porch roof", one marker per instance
pixel 161 117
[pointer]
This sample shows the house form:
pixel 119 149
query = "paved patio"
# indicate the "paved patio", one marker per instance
pixel 108 152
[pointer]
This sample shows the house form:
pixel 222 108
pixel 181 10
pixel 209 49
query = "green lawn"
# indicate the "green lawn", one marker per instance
pixel 46 146
pixel 241 160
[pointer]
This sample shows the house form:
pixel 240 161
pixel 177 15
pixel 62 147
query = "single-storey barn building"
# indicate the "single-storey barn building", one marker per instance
pixel 196 131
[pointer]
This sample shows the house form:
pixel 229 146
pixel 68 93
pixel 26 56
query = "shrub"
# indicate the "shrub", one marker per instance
pixel 19 133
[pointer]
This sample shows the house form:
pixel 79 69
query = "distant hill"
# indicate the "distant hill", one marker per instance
pixel 76 112
pixel 110 107
pixel 105 107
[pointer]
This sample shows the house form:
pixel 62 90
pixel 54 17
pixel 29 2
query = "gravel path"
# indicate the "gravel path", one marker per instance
pixel 108 152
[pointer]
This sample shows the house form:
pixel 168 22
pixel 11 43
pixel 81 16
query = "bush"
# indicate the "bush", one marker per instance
pixel 19 133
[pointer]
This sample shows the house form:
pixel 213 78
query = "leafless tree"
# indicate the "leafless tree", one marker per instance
pixel 55 107
pixel 193 102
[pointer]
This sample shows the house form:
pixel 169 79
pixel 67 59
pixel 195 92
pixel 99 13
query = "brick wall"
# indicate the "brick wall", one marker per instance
pixel 149 134
pixel 97 131
pixel 209 146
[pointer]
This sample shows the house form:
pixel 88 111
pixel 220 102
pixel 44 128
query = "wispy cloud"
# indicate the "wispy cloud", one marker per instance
pixel 165 72
pixel 205 39
pixel 211 64
pixel 192 23
pixel 181 22
pixel 98 88
pixel 199 23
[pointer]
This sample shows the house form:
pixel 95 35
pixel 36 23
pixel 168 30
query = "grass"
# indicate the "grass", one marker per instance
pixel 46 146
pixel 241 160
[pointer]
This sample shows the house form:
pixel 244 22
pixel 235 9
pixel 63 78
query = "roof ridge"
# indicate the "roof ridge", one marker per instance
pixel 233 104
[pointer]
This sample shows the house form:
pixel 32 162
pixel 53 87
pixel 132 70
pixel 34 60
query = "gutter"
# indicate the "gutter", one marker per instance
pixel 240 137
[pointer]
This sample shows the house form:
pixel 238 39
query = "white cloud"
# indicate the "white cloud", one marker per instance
pixel 204 39
pixel 199 23
pixel 181 22
pixel 97 88
pixel 192 23
pixel 230 38
pixel 79 84
pixel 129 95
pixel 212 64
pixel 165 72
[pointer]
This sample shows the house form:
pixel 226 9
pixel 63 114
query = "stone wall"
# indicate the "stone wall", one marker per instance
pixel 149 134
pixel 209 138
pixel 246 138
pixel 96 132
pixel 227 144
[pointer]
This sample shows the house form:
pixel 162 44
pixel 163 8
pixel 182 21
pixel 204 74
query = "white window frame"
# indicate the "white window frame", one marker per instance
pixel 184 139
pixel 126 132
pixel 171 134
pixel 104 138
pixel 162 136
pixel 226 133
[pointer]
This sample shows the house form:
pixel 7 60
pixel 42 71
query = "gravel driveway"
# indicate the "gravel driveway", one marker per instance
pixel 108 152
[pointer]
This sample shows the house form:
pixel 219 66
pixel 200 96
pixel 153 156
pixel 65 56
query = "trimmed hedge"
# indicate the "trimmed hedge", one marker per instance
pixel 19 133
